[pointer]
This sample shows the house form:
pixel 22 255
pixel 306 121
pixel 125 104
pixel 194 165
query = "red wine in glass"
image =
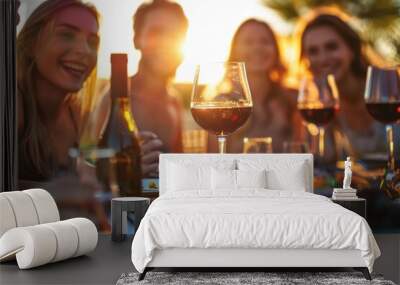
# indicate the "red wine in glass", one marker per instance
pixel 318 116
pixel 386 113
pixel 221 100
pixel 221 120
pixel 317 103
pixel 382 98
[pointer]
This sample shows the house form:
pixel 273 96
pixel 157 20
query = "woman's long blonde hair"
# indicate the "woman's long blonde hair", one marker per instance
pixel 34 154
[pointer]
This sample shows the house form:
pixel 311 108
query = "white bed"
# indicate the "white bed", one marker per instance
pixel 197 222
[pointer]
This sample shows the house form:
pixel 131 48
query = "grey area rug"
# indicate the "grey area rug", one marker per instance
pixel 232 278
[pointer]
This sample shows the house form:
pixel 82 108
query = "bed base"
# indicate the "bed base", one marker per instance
pixel 241 259
pixel 363 270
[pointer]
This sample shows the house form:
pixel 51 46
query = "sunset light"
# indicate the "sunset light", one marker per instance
pixel 211 26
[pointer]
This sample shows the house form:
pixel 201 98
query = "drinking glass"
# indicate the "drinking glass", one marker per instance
pixel 194 141
pixel 257 145
pixel 221 100
pixel 382 98
pixel 318 103
pixel 295 147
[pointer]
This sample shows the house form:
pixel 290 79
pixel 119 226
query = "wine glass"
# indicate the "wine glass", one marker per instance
pixel 221 100
pixel 318 103
pixel 382 98
pixel 257 145
pixel 194 141
pixel 295 147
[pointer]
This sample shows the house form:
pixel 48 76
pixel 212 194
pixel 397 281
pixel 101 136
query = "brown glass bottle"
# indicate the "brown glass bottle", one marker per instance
pixel 121 173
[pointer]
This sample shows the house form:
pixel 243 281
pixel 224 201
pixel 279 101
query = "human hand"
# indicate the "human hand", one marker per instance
pixel 88 181
pixel 151 147
pixel 87 175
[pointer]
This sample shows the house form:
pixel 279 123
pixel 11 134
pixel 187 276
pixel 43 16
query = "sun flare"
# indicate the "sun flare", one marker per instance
pixel 211 26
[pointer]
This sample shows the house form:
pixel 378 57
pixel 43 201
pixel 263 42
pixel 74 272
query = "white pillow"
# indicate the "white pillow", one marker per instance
pixel 279 180
pixel 227 179
pixel 183 177
pixel 251 178
pixel 280 174
pixel 223 179
pixel 193 174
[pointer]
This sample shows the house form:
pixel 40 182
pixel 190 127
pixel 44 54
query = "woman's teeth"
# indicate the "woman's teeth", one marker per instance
pixel 76 70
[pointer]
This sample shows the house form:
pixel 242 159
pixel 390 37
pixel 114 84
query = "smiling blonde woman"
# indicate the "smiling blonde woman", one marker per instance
pixel 56 60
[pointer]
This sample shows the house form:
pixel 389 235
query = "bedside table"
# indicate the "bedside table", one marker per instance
pixel 358 206
pixel 120 208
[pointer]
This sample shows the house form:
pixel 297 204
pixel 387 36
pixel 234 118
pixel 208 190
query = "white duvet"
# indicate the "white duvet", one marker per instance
pixel 250 219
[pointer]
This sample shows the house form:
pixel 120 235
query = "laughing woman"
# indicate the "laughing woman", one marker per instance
pixel 56 72
pixel 56 58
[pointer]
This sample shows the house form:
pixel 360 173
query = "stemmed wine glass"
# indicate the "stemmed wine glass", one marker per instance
pixel 221 100
pixel 382 98
pixel 318 103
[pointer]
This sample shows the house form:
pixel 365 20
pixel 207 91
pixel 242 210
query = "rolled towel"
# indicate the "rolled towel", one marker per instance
pixel 41 244
pixel 7 218
pixel 45 205
pixel 23 208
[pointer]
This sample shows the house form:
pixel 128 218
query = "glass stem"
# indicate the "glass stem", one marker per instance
pixel 389 137
pixel 222 144
pixel 321 142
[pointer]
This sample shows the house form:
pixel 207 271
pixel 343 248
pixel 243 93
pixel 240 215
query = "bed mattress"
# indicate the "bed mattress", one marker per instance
pixel 250 219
